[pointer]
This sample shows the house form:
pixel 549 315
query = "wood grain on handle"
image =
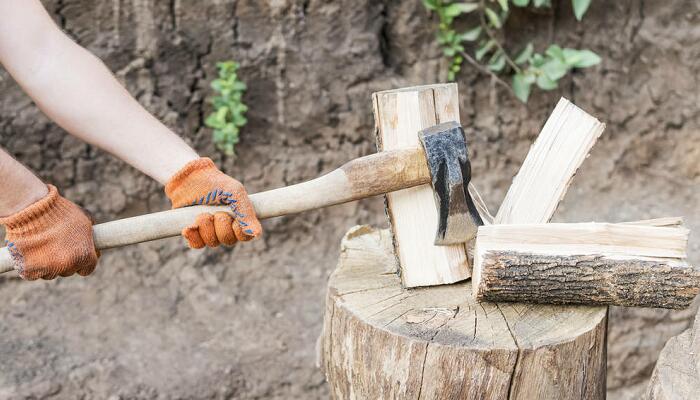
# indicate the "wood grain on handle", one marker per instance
pixel 360 178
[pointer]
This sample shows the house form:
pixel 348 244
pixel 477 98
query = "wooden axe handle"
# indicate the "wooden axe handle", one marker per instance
pixel 363 177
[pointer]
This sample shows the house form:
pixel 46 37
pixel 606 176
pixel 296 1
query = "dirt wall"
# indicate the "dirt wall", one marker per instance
pixel 156 321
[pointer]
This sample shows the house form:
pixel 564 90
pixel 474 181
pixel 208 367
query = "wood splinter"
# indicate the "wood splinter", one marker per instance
pixel 631 264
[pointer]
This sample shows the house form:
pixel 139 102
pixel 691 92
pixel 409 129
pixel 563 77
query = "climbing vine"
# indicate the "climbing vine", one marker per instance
pixel 482 46
pixel 228 116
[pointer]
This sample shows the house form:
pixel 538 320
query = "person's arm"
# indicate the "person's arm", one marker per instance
pixel 77 91
pixel 20 187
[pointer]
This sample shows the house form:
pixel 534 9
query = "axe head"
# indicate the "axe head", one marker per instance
pixel 450 171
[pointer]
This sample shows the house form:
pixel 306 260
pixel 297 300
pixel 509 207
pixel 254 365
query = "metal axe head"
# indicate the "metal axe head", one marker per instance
pixel 450 171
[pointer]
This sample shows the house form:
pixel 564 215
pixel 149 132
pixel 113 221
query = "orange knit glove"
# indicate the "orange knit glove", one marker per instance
pixel 200 182
pixel 51 237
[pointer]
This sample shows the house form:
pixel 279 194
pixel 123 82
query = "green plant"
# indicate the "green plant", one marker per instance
pixel 228 116
pixel 492 57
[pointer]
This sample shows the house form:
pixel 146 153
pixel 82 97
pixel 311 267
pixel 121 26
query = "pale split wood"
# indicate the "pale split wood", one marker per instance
pixel 676 375
pixel 634 240
pixel 629 264
pixel 383 341
pixel 400 115
pixel 545 175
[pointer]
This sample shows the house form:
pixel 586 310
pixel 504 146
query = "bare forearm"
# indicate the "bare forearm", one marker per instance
pixel 88 102
pixel 18 186
pixel 78 92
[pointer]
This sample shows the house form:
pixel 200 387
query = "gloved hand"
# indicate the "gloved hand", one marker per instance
pixel 200 182
pixel 51 237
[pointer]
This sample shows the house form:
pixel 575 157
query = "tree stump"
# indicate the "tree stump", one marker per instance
pixel 677 372
pixel 381 341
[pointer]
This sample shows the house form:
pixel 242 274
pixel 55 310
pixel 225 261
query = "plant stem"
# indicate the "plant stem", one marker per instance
pixel 486 71
pixel 485 27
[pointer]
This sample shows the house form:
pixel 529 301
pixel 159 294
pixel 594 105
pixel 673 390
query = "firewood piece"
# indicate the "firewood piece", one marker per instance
pixel 413 215
pixel 585 263
pixel 549 167
pixel 382 341
pixel 677 372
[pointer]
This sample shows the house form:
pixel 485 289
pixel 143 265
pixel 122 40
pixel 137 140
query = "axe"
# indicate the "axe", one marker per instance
pixel 442 160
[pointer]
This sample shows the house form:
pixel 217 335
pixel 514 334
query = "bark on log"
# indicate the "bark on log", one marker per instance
pixel 586 279
pixel 677 372
pixel 595 264
pixel 382 341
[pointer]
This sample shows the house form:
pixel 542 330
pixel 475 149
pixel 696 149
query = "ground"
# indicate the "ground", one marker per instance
pixel 156 321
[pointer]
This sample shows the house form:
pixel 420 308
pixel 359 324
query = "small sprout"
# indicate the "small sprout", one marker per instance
pixel 228 116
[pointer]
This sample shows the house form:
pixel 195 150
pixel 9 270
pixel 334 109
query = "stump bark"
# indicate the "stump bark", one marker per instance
pixel 381 341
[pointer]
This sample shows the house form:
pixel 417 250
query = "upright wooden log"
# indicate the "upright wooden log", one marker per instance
pixel 677 372
pixel 382 341
pixel 413 215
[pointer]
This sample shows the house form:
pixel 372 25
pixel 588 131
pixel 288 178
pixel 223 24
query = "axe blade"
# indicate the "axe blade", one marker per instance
pixel 450 171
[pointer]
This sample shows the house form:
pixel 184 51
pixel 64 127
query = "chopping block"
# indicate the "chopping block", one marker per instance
pixel 382 340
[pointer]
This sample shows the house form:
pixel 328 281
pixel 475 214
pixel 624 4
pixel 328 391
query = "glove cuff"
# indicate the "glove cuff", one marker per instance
pixel 37 215
pixel 191 172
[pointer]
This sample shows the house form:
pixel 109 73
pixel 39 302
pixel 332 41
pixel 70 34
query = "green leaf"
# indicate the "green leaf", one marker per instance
pixel 521 3
pixel 212 122
pixel 430 4
pixel 448 52
pixel 581 58
pixel 537 60
pixel 571 56
pixel 456 9
pixel 521 87
pixel 555 68
pixel 503 4
pixel 239 120
pixel 544 83
pixel 239 86
pixel 470 35
pixel 525 54
pixel 484 49
pixel 493 18
pixel 542 3
pixel 449 36
pixel 580 7
pixel 221 114
pixel 497 62
pixel 555 51
pixel 530 77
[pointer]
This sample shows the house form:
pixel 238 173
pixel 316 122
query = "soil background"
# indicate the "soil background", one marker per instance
pixel 156 321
